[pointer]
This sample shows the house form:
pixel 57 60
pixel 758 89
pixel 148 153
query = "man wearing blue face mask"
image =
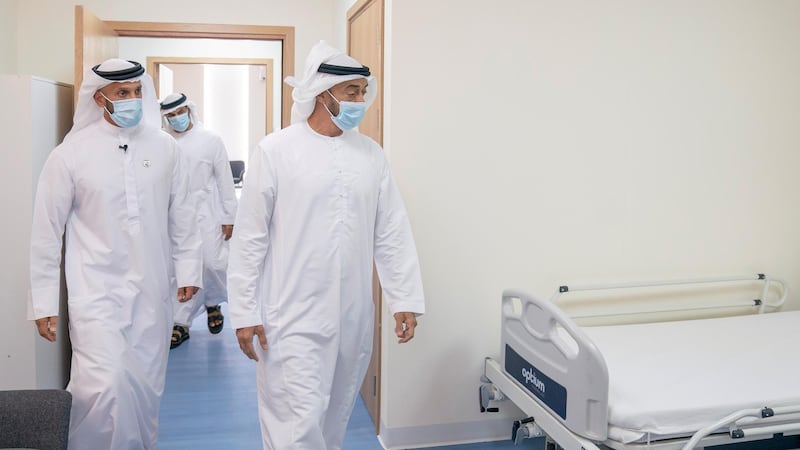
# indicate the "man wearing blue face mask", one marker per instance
pixel 115 189
pixel 319 205
pixel 211 186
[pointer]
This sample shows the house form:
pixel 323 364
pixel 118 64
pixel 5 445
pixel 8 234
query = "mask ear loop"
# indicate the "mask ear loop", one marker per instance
pixel 334 99
pixel 104 104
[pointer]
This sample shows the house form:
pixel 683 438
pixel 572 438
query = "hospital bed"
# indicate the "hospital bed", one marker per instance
pixel 715 382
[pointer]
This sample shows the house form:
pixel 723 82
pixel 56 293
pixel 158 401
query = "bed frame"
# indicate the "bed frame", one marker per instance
pixel 546 355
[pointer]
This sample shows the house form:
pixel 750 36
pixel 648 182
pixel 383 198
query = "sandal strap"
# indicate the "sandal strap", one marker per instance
pixel 179 331
pixel 214 313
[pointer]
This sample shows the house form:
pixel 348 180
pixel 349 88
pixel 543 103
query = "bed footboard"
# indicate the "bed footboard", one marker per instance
pixel 546 353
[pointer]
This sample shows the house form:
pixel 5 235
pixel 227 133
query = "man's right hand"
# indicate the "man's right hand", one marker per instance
pixel 47 327
pixel 245 337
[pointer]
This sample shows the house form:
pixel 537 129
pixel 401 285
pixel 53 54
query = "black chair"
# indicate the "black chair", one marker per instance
pixel 35 419
pixel 237 169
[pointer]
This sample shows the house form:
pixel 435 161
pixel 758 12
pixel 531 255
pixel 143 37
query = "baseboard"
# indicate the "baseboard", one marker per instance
pixel 444 434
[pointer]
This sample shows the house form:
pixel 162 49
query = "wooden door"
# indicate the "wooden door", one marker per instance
pixel 95 42
pixel 365 44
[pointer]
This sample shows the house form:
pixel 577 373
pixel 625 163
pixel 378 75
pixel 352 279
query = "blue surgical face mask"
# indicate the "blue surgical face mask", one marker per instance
pixel 350 113
pixel 127 113
pixel 180 122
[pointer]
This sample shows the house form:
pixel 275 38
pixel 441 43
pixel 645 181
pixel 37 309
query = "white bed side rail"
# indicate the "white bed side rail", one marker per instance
pixel 548 422
pixel 762 302
pixel 750 422
pixel 545 352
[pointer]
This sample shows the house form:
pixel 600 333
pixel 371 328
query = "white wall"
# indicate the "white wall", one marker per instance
pixel 256 113
pixel 40 118
pixel 538 143
pixel 226 110
pixel 46 27
pixel 340 23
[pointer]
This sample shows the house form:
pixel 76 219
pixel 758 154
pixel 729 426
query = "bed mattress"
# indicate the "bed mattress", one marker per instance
pixel 672 379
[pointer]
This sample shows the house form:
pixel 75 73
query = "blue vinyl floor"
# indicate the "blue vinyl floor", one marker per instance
pixel 210 401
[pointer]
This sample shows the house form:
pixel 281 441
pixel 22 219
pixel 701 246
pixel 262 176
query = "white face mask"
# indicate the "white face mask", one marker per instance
pixel 127 113
pixel 180 122
pixel 350 113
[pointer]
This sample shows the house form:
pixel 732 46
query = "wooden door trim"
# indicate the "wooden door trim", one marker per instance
pixel 353 13
pixel 358 8
pixel 154 61
pixel 220 31
pixel 85 21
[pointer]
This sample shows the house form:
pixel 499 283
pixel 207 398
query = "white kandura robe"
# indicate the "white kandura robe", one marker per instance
pixel 211 184
pixel 130 230
pixel 313 212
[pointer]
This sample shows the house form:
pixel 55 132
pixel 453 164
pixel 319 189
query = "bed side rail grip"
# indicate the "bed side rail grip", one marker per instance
pixel 541 331
pixel 549 323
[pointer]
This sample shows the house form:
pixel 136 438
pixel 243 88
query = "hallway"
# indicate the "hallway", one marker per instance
pixel 210 400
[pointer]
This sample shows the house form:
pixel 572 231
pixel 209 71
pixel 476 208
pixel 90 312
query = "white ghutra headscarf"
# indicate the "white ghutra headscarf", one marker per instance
pixel 173 102
pixel 113 71
pixel 326 67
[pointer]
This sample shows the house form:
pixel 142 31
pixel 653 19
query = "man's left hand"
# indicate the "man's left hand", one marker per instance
pixel 186 293
pixel 405 323
pixel 227 231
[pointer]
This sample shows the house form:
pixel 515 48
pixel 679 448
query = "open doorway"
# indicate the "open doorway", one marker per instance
pixel 232 96
pixel 231 82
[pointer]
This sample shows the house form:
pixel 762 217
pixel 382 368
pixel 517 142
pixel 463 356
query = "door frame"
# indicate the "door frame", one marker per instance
pixel 372 381
pixel 204 31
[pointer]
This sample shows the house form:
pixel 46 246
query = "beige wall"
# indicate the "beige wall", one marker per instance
pixel 46 27
pixel 8 36
pixel 538 143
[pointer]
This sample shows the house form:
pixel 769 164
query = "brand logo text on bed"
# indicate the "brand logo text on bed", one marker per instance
pixel 530 378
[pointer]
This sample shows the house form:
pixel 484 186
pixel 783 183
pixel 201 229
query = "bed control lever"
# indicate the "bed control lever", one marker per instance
pixel 488 392
pixel 525 429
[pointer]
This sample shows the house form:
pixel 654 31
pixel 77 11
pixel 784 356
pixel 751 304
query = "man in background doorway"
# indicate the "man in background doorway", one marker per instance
pixel 318 205
pixel 211 186
pixel 117 186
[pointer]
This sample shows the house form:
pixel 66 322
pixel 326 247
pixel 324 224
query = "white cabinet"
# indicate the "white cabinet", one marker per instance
pixel 35 115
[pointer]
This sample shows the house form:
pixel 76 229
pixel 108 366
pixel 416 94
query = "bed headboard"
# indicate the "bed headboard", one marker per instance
pixel 549 355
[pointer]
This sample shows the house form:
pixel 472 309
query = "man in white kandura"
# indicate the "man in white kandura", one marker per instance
pixel 116 184
pixel 211 184
pixel 319 203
